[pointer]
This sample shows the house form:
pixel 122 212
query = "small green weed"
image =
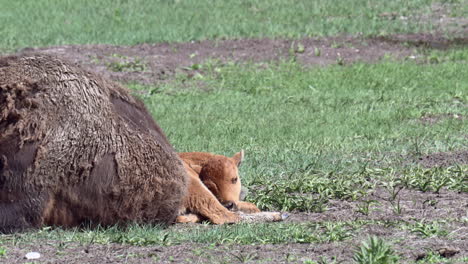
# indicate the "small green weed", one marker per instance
pixel 364 206
pixel 396 206
pixel 335 232
pixel 295 48
pixel 375 251
pixel 317 52
pixel 434 179
pixel 437 56
pixel 244 258
pixel 325 260
pixel 124 63
pixel 322 260
pixel 309 192
pixel 340 60
pixel 393 188
pixel 427 229
pixel 435 258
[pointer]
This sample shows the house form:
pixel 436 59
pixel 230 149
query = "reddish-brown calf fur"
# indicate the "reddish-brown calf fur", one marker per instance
pixel 214 184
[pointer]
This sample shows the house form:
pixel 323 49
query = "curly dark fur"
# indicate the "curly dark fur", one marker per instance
pixel 76 148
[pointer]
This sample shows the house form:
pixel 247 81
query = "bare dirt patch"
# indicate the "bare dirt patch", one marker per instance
pixel 425 40
pixel 444 159
pixel 156 63
pixel 430 119
pixel 408 205
pixel 187 253
pixel 445 18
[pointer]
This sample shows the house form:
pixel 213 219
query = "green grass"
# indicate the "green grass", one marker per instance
pixel 314 135
pixel 357 109
pixel 227 234
pixel 54 22
pixel 290 120
pixel 244 234
pixel 311 135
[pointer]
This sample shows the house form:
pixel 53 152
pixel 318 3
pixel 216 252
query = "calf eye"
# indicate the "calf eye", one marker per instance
pixel 234 180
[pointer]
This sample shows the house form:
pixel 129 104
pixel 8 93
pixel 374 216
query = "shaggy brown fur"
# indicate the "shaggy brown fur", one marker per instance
pixel 76 148
pixel 214 188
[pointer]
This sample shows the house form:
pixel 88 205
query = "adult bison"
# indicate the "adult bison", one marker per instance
pixel 76 148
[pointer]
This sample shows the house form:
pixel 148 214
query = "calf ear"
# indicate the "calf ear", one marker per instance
pixel 239 157
pixel 196 168
pixel 212 187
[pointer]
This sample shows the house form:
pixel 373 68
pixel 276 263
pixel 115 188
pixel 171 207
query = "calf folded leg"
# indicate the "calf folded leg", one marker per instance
pixel 188 218
pixel 247 207
pixel 200 200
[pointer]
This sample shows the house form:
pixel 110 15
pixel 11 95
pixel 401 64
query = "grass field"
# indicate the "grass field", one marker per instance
pixel 311 135
pixel 54 22
pixel 364 156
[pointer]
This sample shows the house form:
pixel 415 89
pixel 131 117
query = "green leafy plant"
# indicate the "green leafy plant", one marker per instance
pixel 434 179
pixel 433 257
pixel 425 229
pixel 375 251
pixel 335 232
pixel 324 260
pixel 245 258
pixel 317 52
pixel 393 187
pixel 123 63
pixel 396 206
pixel 364 206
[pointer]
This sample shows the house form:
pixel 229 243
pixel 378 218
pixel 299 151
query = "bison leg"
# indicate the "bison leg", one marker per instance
pixel 201 201
pixel 12 218
pixel 19 215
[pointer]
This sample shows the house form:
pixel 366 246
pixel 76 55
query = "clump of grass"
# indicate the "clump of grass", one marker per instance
pixel 310 192
pixel 146 235
pixel 124 63
pixel 2 252
pixel 365 206
pixel 434 179
pixel 427 229
pixel 375 251
pixel 433 257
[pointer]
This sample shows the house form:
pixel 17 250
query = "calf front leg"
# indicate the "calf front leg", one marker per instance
pixel 200 200
pixel 188 218
pixel 247 207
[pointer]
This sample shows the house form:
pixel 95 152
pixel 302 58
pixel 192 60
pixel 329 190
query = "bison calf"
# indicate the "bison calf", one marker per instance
pixel 76 148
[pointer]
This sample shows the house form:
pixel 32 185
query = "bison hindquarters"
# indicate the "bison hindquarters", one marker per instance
pixel 75 148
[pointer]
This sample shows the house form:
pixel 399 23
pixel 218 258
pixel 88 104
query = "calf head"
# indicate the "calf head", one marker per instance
pixel 220 175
